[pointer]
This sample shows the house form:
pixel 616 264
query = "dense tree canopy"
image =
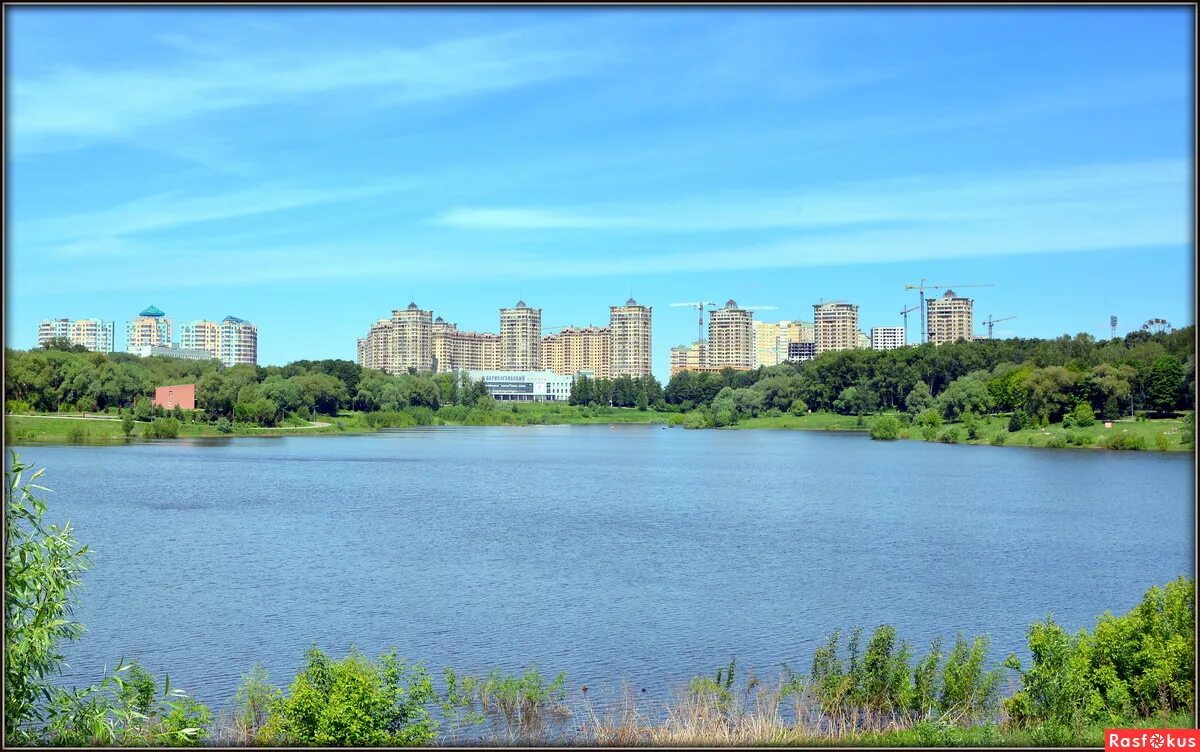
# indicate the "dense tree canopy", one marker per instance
pixel 1043 378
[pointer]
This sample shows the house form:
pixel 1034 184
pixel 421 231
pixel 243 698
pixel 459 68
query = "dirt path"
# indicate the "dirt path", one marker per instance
pixel 311 424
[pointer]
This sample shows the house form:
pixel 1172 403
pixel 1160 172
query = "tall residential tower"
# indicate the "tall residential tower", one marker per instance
pixel 520 338
pixel 630 327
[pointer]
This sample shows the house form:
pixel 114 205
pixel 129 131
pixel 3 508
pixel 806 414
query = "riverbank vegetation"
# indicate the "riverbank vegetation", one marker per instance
pixel 1128 671
pixel 1047 393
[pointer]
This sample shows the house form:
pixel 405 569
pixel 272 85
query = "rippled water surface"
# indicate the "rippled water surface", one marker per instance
pixel 632 553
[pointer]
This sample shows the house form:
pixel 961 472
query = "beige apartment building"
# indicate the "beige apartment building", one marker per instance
pixel 150 328
pixel 630 344
pixel 401 343
pixel 94 334
pixel 731 337
pixel 412 339
pixel 949 318
pixel 375 350
pixel 520 338
pixel 455 349
pixel 771 340
pixel 693 357
pixel 835 326
pixel 200 335
pixel 574 349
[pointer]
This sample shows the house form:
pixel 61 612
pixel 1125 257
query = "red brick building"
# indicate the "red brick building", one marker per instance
pixel 183 395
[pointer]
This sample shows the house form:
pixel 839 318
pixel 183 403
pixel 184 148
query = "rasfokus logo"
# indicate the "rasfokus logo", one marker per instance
pixel 1152 739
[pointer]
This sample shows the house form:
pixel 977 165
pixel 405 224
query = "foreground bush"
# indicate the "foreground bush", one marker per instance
pixel 1137 664
pixel 354 702
pixel 885 427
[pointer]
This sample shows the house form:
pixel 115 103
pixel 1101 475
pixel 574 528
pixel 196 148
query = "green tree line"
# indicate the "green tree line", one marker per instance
pixel 1042 379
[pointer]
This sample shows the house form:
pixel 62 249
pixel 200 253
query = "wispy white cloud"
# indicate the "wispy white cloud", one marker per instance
pixel 1084 209
pixel 1077 193
pixel 108 232
pixel 71 105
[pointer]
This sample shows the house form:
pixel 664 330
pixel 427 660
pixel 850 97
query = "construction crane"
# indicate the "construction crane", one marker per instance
pixel 904 312
pixel 990 321
pixel 699 306
pixel 922 287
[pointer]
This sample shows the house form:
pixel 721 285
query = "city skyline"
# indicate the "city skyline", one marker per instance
pixel 312 168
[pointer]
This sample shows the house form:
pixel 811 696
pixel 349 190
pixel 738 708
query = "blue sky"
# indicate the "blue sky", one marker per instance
pixel 309 170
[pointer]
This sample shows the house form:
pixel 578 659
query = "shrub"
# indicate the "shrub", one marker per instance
pixel 389 419
pixel 1018 421
pixel 929 418
pixel 76 435
pixel 224 426
pixel 929 433
pixel 1141 662
pixel 42 569
pixel 127 425
pixel 1068 421
pixel 1079 438
pixel 885 427
pixel 1084 416
pixel 142 408
pixel 162 428
pixel 999 439
pixel 950 436
pixel 695 419
pixel 1188 428
pixel 1161 442
pixel 129 712
pixel 354 702
pixel 17 406
pixel 1123 441
pixel 1057 441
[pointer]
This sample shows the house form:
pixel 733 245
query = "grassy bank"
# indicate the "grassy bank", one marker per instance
pixel 1155 434
pixel 68 428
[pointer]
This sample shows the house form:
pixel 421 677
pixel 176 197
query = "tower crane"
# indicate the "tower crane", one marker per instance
pixel 699 306
pixel 990 321
pixel 922 287
pixel 904 312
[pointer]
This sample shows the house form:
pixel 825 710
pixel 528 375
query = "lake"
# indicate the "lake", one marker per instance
pixel 631 553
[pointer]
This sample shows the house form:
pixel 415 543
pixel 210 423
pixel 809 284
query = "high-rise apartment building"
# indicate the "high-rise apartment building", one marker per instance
pixel 399 344
pixel 630 326
pixel 238 343
pixel 799 352
pixel 864 340
pixel 375 350
pixel 454 349
pixel 94 334
pixel 835 326
pixel 151 327
pixel 412 339
pixel 949 318
pixel 574 349
pixel 731 337
pixel 771 340
pixel 234 341
pixel 201 335
pixel 520 338
pixel 887 337
pixel 693 357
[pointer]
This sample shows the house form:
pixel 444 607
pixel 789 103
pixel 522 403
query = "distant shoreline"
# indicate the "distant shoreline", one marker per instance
pixel 96 430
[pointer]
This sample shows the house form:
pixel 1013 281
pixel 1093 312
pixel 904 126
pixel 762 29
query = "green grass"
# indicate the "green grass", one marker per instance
pixel 74 430
pixel 810 422
pixel 1148 430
